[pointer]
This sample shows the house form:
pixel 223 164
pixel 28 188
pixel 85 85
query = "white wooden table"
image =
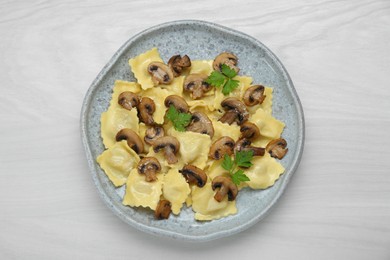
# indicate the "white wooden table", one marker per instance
pixel 337 53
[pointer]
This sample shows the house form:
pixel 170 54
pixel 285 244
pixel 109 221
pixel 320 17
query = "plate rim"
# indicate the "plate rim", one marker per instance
pixel 161 232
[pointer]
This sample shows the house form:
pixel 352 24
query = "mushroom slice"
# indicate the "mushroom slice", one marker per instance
pixel 225 187
pixel 200 123
pixel 128 100
pixel 194 175
pixel 249 130
pixel 245 145
pixel 149 166
pixel 196 84
pixel 236 111
pixel 228 59
pixel 160 72
pixel 146 109
pixel 170 145
pixel 254 95
pixel 178 102
pixel 178 64
pixel 220 147
pixel 153 133
pixel 163 209
pixel 277 148
pixel 132 138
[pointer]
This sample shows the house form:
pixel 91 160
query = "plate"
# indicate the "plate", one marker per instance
pixel 200 40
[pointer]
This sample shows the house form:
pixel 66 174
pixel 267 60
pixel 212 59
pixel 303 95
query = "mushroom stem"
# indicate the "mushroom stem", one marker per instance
pixel 229 117
pixel 221 193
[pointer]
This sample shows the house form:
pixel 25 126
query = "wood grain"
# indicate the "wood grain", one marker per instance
pixel 338 203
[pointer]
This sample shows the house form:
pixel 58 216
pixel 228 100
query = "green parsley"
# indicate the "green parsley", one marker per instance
pixel 224 79
pixel 179 120
pixel 242 159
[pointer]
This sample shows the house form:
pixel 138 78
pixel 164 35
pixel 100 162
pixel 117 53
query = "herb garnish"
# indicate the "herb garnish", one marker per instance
pixel 224 79
pixel 242 159
pixel 179 120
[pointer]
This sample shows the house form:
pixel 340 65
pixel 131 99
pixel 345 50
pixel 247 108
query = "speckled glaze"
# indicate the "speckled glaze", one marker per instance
pixel 200 40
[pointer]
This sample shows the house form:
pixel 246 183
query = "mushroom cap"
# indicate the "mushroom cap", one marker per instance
pixel 226 187
pixel 249 130
pixel 160 72
pixel 228 59
pixel 200 123
pixel 196 84
pixel 245 145
pixel 178 102
pixel 235 111
pixel 223 145
pixel 133 140
pixel 163 209
pixel 254 95
pixel 149 166
pixel 194 175
pixel 170 145
pixel 128 100
pixel 146 109
pixel 277 148
pixel 153 133
pixel 178 63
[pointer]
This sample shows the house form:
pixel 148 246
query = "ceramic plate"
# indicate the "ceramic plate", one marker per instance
pixel 200 40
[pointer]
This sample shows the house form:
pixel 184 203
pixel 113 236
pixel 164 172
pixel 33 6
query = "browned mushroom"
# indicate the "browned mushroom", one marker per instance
pixel 149 166
pixel 249 131
pixel 132 138
pixel 200 123
pixel 170 145
pixel 236 111
pixel 194 175
pixel 178 102
pixel 245 145
pixel 160 72
pixel 225 187
pixel 163 210
pixel 153 133
pixel 128 100
pixel 146 109
pixel 178 64
pixel 254 95
pixel 196 84
pixel 224 145
pixel 277 148
pixel 228 59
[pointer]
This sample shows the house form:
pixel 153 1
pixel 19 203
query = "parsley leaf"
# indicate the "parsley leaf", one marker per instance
pixel 242 159
pixel 227 163
pixel 179 120
pixel 239 177
pixel 224 79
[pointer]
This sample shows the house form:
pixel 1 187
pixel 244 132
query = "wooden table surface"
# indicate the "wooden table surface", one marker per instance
pixel 337 205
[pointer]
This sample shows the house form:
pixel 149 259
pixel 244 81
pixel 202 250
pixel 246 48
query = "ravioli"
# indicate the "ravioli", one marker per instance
pixel 117 162
pixel 175 189
pixel 270 128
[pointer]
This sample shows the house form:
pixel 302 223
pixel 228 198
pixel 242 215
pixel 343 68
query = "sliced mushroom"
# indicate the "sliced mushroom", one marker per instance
pixel 196 84
pixel 153 133
pixel 163 209
pixel 254 95
pixel 222 146
pixel 146 109
pixel 178 64
pixel 178 102
pixel 277 148
pixel 170 145
pixel 200 123
pixel 245 145
pixel 160 72
pixel 194 175
pixel 249 131
pixel 149 166
pixel 236 111
pixel 228 59
pixel 225 187
pixel 132 138
pixel 128 100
